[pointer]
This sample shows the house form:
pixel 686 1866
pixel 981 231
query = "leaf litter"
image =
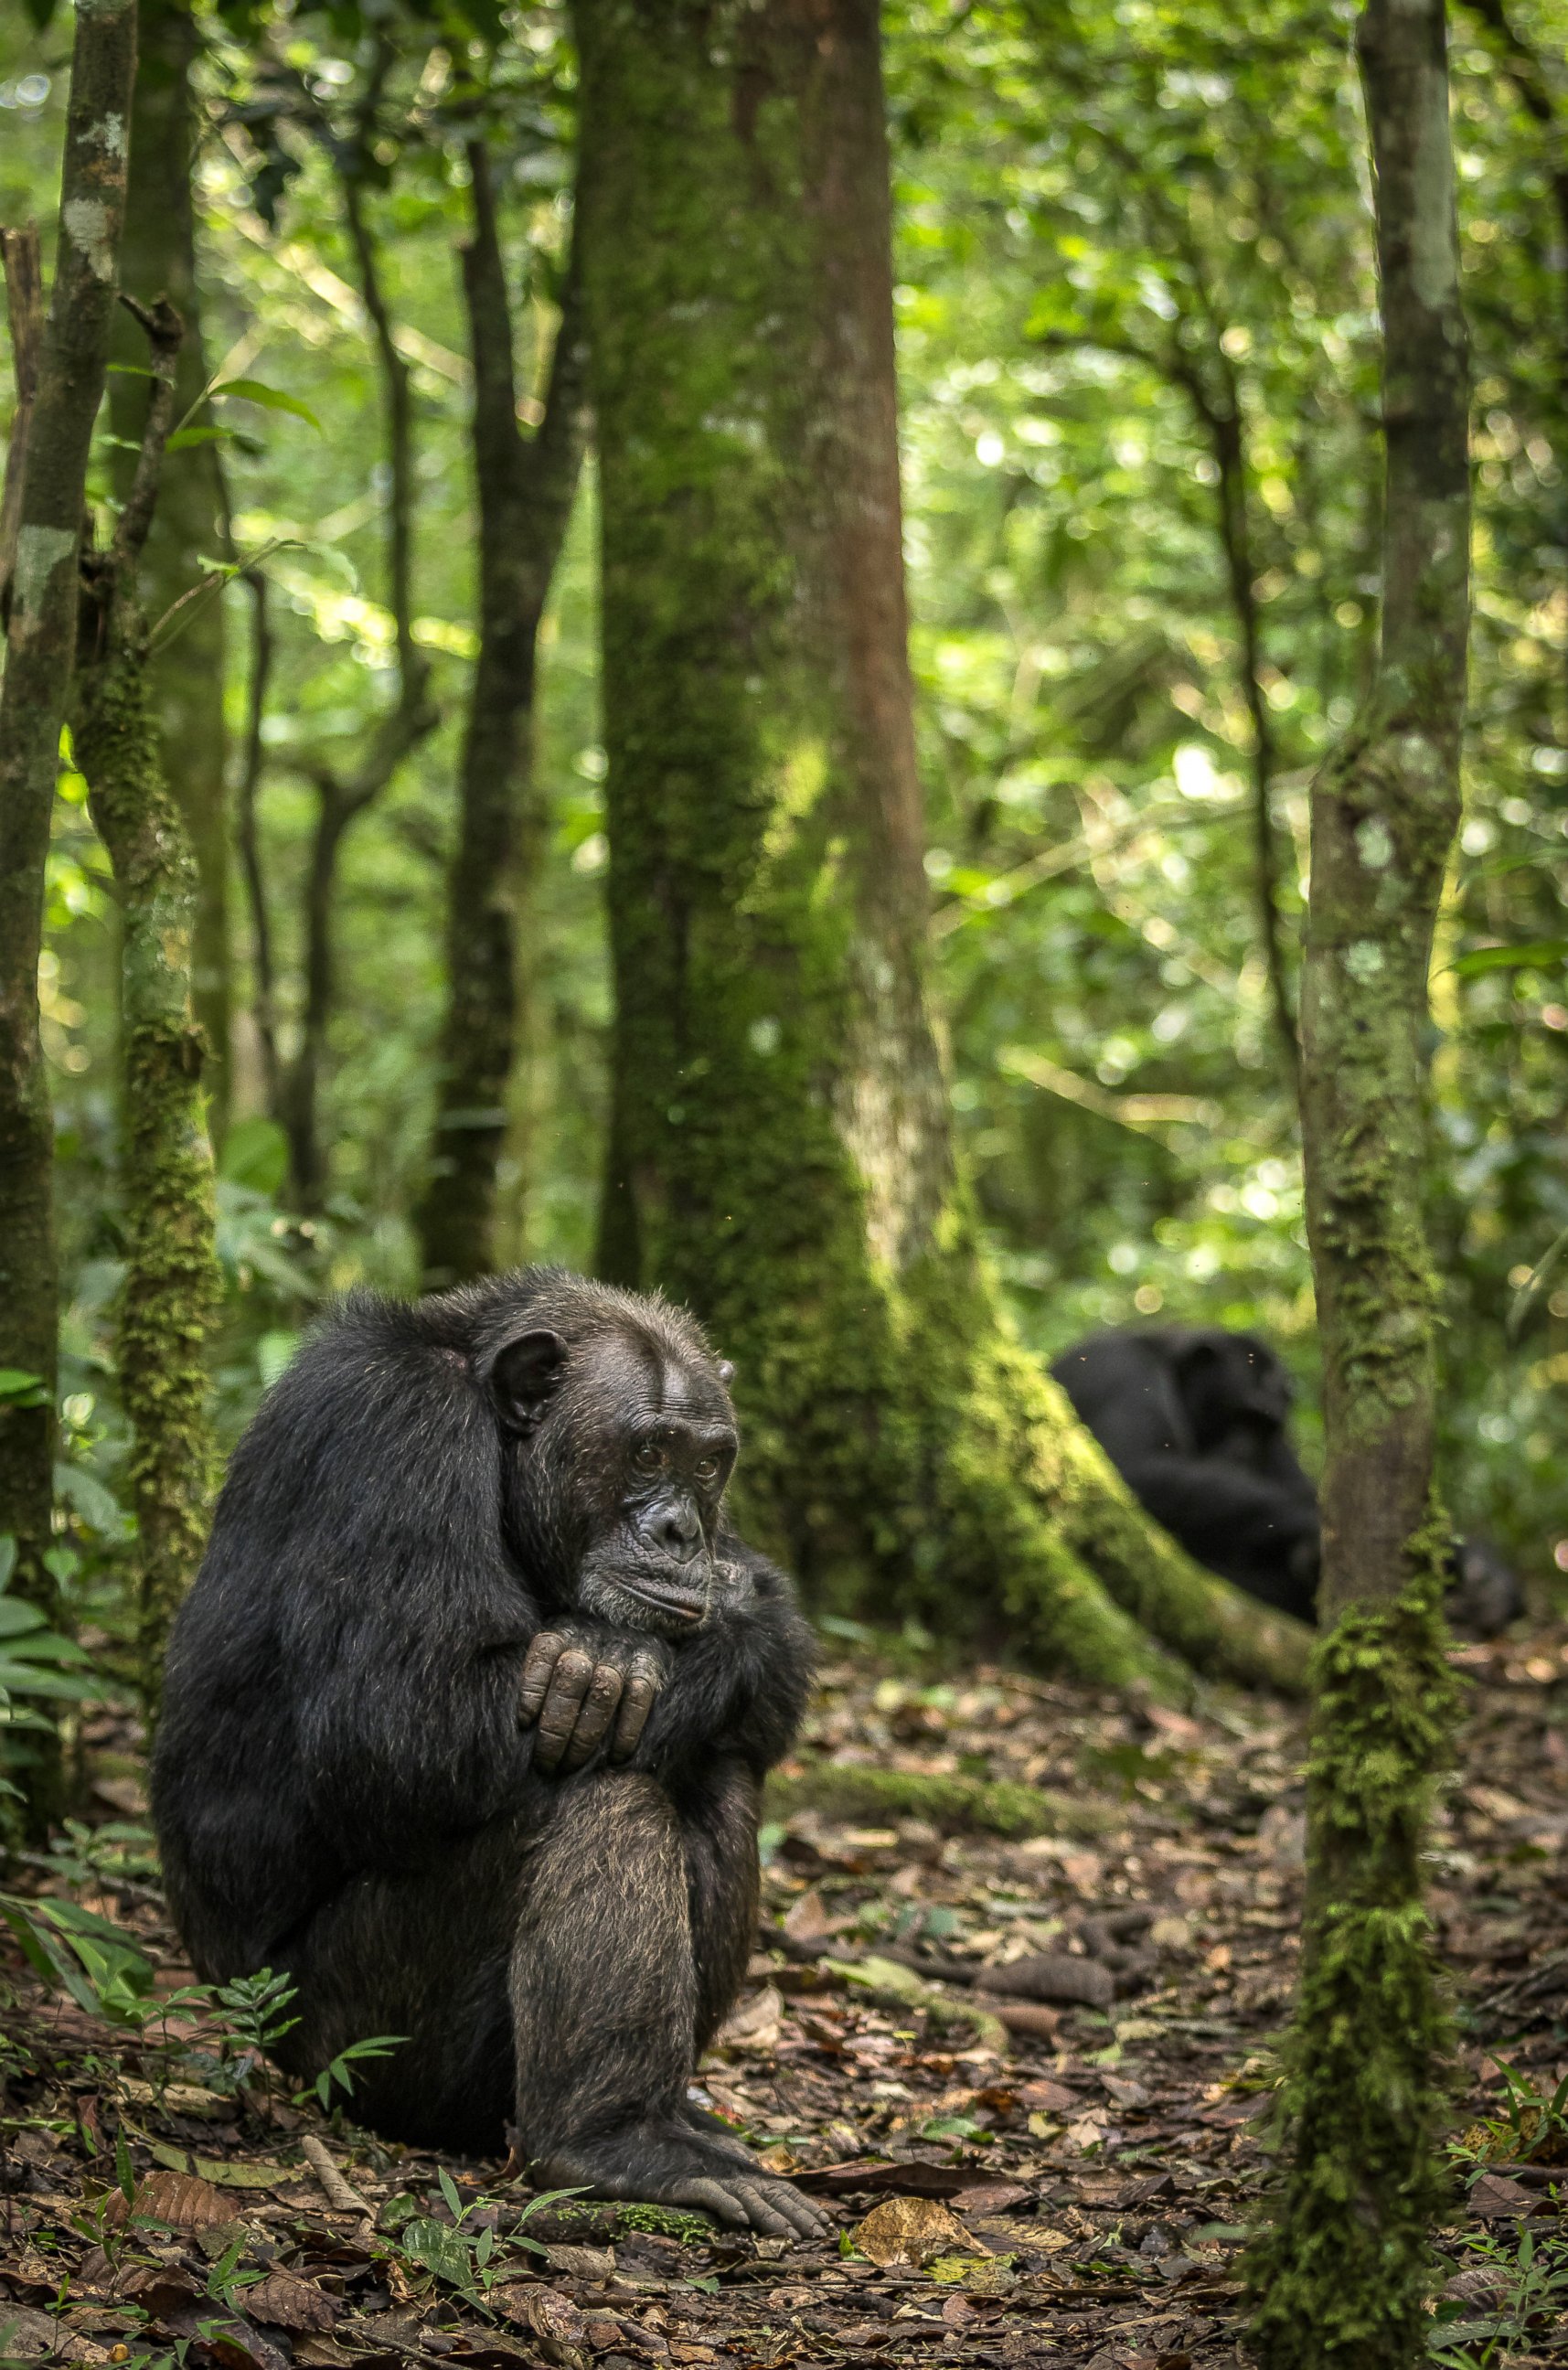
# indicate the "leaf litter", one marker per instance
pixel 1029 2073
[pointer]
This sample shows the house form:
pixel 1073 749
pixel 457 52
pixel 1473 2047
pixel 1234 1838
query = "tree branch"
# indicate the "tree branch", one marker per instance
pixel 23 260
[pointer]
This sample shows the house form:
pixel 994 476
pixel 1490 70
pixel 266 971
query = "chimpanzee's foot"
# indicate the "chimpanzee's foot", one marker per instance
pixel 672 2163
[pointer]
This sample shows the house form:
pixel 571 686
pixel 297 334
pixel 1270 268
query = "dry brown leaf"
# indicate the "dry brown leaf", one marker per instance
pixel 552 2320
pixel 913 2230
pixel 182 2201
pixel 292 2303
pixel 756 2023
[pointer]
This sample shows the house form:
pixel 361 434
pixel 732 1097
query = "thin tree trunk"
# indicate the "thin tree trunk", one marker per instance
pixel 158 259
pixel 1345 2274
pixel 780 1154
pixel 40 640
pixel 340 799
pixel 170 1293
pixel 264 999
pixel 22 254
pixel 525 489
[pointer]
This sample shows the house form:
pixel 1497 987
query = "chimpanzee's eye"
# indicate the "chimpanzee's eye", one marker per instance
pixel 647 1456
pixel 707 1469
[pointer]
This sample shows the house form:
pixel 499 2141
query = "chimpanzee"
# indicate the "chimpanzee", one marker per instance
pixel 465 1721
pixel 1195 1421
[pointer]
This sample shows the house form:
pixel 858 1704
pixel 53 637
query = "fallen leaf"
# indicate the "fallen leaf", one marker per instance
pixel 180 2201
pixel 581 2262
pixel 755 2023
pixel 912 2230
pixel 552 2320
pixel 293 2302
pixel 808 1922
pixel 1495 2198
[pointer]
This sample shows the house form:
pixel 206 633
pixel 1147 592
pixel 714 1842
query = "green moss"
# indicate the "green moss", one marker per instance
pixel 1344 2274
pixel 962 1805
pixel 169 1298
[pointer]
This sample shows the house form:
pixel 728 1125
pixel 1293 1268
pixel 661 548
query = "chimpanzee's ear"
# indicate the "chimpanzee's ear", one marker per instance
pixel 526 1373
pixel 726 1371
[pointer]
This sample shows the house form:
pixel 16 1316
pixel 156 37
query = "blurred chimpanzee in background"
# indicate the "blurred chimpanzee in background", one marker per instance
pixel 1196 1421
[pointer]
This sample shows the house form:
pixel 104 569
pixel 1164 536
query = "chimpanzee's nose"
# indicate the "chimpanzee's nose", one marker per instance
pixel 679 1533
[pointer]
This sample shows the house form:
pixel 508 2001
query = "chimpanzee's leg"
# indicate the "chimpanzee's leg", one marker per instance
pixel 423 1955
pixel 604 1996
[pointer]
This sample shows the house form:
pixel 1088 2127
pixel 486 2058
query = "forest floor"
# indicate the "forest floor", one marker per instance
pixel 1072 2194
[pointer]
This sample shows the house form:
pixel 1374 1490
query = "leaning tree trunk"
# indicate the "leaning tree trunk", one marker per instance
pixel 170 1294
pixel 1345 2274
pixel 781 1154
pixel 525 486
pixel 41 638
pixel 158 259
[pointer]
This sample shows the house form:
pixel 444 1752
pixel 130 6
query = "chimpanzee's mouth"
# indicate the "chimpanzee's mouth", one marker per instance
pixel 682 1603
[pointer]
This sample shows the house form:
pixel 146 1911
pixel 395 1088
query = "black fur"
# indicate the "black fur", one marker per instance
pixel 342 1785
pixel 1196 1421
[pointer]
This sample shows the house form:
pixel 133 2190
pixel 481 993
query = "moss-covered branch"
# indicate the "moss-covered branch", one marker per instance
pixel 169 1297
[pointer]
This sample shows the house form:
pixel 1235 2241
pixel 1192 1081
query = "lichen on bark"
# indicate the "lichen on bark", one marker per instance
pixel 780 1149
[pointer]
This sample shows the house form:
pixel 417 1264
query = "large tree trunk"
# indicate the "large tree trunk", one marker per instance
pixel 525 486
pixel 40 642
pixel 781 1154
pixel 170 1293
pixel 1345 2275
pixel 158 259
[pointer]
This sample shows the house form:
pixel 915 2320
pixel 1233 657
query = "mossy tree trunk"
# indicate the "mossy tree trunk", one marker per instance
pixel 1345 2274
pixel 158 259
pixel 169 1297
pixel 524 486
pixel 40 642
pixel 781 1152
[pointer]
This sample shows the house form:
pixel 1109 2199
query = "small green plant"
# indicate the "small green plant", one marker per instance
pixel 466 2251
pixel 340 2073
pixel 37 1665
pixel 1531 2292
pixel 1532 2127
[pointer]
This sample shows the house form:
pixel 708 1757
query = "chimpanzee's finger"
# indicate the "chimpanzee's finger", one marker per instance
pixel 569 1686
pixel 538 1666
pixel 636 1703
pixel 715 2197
pixel 594 1719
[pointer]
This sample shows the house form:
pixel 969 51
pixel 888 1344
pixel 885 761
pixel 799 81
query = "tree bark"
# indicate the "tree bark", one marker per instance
pixel 41 638
pixel 158 259
pixel 781 1156
pixel 1347 2272
pixel 170 1294
pixel 525 488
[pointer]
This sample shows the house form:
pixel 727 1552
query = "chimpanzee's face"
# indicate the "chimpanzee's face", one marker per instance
pixel 625 1446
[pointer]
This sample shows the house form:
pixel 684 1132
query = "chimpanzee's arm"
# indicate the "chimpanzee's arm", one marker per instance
pixel 742 1685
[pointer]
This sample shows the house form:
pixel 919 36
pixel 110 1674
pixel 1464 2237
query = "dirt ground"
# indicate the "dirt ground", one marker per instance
pixel 1028 2070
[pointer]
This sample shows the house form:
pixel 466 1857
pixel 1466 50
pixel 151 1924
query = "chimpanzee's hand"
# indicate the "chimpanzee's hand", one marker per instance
pixel 584 1688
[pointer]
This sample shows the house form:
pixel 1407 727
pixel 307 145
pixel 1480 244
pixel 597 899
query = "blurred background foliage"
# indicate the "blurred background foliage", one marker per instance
pixel 1138 357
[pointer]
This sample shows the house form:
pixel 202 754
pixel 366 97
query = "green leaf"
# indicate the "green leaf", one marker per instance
pixel 256 1155
pixel 17 1615
pixel 271 398
pixel 1536 954
pixel 441 2250
pixel 19 1388
pixel 185 437
pixel 449 2190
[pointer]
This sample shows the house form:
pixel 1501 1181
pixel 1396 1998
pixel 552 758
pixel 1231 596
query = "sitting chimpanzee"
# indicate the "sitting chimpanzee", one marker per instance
pixel 1195 1421
pixel 465 1721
